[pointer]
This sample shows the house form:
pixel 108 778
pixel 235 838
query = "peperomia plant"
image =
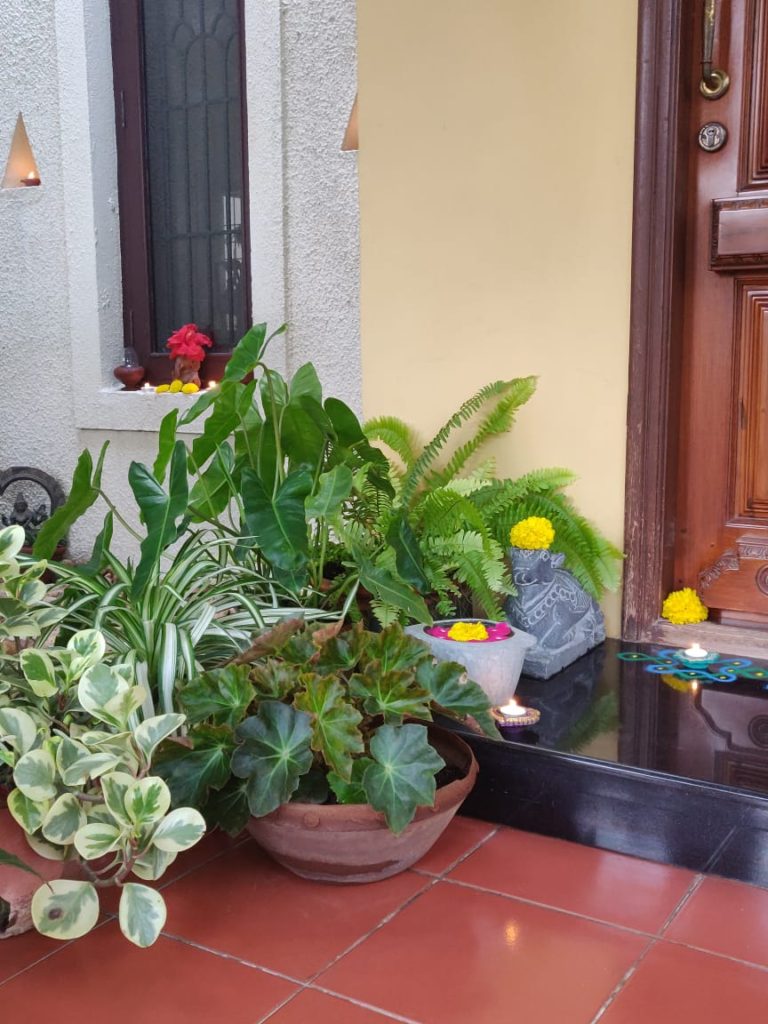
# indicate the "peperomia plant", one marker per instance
pixel 314 714
pixel 78 761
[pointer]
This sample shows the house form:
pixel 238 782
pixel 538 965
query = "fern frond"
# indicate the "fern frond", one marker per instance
pixel 443 512
pixel 396 435
pixel 480 477
pixel 497 390
pixel 494 499
pixel 498 421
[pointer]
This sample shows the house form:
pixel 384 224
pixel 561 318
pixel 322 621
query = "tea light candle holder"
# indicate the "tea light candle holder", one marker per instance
pixel 515 716
pixel 696 657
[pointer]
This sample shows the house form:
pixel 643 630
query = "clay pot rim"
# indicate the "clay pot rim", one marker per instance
pixel 454 792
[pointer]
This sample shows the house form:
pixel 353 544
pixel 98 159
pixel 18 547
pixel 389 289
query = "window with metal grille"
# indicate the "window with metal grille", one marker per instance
pixel 182 174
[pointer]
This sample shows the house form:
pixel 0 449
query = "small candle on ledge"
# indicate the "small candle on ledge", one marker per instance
pixel 515 716
pixel 147 389
pixel 212 384
pixel 695 652
pixel 31 179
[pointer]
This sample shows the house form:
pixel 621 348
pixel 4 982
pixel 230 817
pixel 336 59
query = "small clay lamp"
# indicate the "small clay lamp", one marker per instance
pixel 130 373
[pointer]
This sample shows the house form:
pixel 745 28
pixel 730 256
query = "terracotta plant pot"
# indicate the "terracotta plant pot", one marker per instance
pixel 18 887
pixel 351 842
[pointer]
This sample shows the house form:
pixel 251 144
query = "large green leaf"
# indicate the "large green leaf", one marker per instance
pixel 222 696
pixel 232 403
pixel 228 809
pixel 402 776
pixel 351 443
pixel 274 753
pixel 166 439
pixel 391 591
pixel 142 914
pixel 278 525
pixel 447 684
pixel 249 351
pixel 63 909
pixel 306 382
pixel 394 695
pixel 333 489
pixel 335 732
pixel 83 492
pixel 95 564
pixel 191 771
pixel 212 491
pixel 304 431
pixel 160 511
pixel 410 564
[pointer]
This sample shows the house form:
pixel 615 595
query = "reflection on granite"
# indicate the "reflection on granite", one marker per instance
pixel 603 707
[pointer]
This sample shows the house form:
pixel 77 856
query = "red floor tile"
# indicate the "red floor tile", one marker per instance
pixel 674 985
pixel 245 905
pixel 317 1008
pixel 461 836
pixel 725 917
pixel 23 950
pixel 608 886
pixel 170 982
pixel 460 956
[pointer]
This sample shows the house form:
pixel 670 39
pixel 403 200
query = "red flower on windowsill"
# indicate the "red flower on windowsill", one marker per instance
pixel 188 343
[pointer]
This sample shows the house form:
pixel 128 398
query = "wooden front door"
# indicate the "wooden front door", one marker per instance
pixel 721 537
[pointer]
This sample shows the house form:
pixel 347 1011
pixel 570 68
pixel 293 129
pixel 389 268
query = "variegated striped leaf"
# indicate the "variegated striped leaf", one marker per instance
pixel 97 687
pixel 90 647
pixel 68 752
pixel 142 914
pixel 153 731
pixel 49 851
pixel 121 707
pixel 17 729
pixel 153 864
pixel 147 801
pixel 39 672
pixel 27 813
pixel 94 840
pixel 35 773
pixel 11 542
pixel 65 910
pixel 65 817
pixel 178 831
pixel 114 789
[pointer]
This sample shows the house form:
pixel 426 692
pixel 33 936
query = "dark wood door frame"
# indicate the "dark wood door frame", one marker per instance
pixel 661 144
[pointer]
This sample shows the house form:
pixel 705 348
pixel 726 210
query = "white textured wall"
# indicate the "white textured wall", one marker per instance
pixel 60 302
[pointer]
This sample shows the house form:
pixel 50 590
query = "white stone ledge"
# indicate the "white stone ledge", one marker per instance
pixel 112 409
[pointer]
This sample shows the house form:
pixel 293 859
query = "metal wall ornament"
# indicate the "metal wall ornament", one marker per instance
pixel 28 497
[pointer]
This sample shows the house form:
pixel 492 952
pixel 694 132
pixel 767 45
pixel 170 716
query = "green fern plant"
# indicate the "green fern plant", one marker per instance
pixel 449 523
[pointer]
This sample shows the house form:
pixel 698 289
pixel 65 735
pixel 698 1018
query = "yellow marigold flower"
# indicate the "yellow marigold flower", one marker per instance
pixel 175 387
pixel 190 389
pixel 162 388
pixel 533 533
pixel 684 607
pixel 468 631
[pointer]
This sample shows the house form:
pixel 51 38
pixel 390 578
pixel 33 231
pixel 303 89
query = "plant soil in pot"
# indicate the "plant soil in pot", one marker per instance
pixel 352 842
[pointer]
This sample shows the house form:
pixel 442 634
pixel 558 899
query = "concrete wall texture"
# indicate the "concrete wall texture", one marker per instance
pixel 496 150
pixel 60 295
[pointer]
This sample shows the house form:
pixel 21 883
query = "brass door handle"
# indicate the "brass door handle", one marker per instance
pixel 714 81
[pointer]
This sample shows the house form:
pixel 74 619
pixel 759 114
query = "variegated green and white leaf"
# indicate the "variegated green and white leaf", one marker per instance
pixel 63 909
pixel 94 840
pixel 39 672
pixel 154 730
pixel 49 851
pixel 28 813
pixel 89 646
pixel 99 685
pixel 147 801
pixel 18 729
pixel 32 592
pixel 91 766
pixel 114 789
pixel 121 707
pixel 65 817
pixel 178 831
pixel 12 540
pixel 35 774
pixel 153 864
pixel 99 812
pixel 68 752
pixel 142 914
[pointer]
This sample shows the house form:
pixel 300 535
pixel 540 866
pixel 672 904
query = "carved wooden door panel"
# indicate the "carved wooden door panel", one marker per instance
pixel 721 541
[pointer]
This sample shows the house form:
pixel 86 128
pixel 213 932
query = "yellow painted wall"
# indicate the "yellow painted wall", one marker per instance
pixel 496 151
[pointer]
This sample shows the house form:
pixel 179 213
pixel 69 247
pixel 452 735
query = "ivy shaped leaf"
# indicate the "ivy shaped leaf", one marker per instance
pixel 275 752
pixel 273 679
pixel 394 695
pixel 191 771
pixel 351 791
pixel 335 733
pixel 448 685
pixel 222 696
pixel 402 775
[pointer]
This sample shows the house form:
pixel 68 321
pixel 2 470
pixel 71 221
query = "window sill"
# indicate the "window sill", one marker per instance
pixel 143 411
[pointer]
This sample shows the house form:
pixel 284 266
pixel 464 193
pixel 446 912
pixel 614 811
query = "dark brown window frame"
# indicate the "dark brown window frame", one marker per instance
pixel 658 245
pixel 133 191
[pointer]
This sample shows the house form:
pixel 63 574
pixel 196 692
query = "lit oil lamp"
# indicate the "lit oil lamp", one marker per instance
pixel 514 716
pixel 31 179
pixel 696 657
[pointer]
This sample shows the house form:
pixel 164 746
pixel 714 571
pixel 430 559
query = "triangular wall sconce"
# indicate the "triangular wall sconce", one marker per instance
pixel 350 135
pixel 21 167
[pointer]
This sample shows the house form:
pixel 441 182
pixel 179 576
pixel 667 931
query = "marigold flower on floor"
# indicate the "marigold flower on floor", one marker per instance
pixel 684 607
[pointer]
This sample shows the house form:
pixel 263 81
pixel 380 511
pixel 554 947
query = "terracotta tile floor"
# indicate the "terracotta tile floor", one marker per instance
pixel 493 926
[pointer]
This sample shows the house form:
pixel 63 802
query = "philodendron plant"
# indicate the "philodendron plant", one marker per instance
pixel 78 761
pixel 314 714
